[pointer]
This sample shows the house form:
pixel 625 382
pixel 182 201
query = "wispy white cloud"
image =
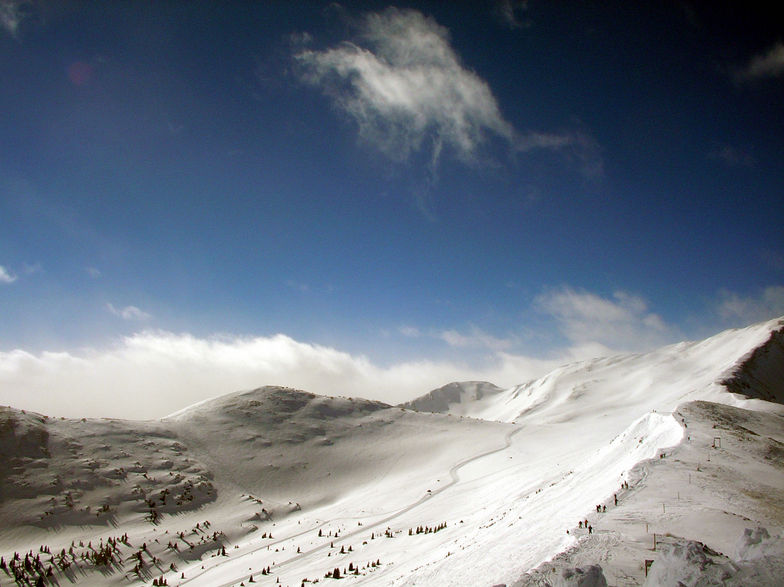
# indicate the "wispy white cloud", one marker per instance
pixel 93 272
pixel 511 13
pixel 622 322
pixel 472 339
pixel 174 128
pixel 769 303
pixel 733 156
pixel 128 312
pixel 297 286
pixel 407 90
pixel 767 65
pixel 410 331
pixel 31 269
pixel 476 338
pixel 12 14
pixel 6 276
pixel 407 86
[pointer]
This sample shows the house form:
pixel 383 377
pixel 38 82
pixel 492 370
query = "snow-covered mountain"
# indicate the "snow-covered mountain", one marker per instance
pixel 657 380
pixel 469 484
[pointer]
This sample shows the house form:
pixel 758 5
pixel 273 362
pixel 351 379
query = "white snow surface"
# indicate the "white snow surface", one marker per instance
pixel 306 484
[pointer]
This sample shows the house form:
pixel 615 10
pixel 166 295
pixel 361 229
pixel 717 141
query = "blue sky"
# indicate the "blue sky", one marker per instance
pixel 476 189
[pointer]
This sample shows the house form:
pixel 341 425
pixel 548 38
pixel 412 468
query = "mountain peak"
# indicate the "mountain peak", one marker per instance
pixel 452 396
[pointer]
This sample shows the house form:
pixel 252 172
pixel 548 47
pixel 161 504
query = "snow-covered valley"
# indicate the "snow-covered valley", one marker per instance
pixel 469 484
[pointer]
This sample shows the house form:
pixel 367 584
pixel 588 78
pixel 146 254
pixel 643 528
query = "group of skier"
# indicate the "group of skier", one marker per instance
pixel 600 509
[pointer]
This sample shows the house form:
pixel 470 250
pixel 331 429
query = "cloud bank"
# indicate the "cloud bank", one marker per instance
pixel 151 374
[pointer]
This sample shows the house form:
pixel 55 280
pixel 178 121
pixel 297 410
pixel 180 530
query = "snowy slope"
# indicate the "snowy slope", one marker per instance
pixel 293 445
pixel 713 507
pixel 305 484
pixel 659 379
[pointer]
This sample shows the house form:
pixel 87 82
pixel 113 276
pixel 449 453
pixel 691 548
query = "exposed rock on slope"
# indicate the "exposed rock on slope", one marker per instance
pixel 761 374
pixel 61 471
pixel 450 397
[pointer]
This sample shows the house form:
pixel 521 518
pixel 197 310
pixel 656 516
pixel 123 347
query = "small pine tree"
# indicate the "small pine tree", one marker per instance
pixel 336 573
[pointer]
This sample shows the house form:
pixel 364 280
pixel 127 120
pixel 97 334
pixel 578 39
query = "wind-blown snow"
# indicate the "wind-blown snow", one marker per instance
pixel 462 398
pixel 288 479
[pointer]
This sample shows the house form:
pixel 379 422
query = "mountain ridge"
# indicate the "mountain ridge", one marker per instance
pixel 502 471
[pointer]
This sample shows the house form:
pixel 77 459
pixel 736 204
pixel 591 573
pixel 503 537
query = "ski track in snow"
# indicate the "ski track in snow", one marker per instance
pixel 455 478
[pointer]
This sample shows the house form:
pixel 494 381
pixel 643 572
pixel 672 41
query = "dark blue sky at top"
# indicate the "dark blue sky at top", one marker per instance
pixel 170 157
